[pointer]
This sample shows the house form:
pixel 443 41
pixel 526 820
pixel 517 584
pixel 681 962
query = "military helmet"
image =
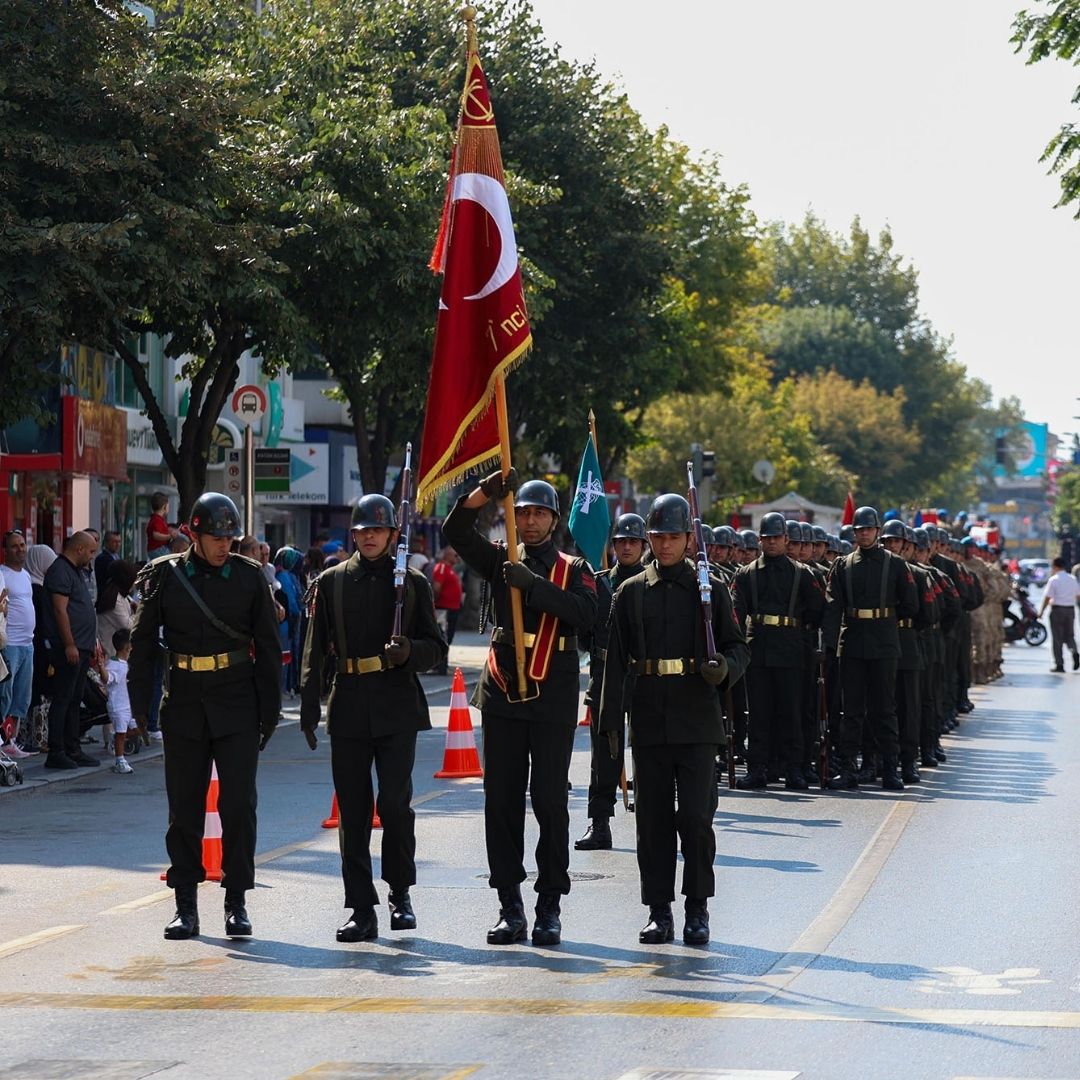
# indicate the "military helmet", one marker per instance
pixel 215 515
pixel 707 535
pixel 893 528
pixel 922 539
pixel 669 513
pixel 847 532
pixel 807 532
pixel 833 544
pixel 773 524
pixel 793 530
pixel 629 527
pixel 931 531
pixel 846 547
pixel 374 512
pixel 820 535
pixel 866 517
pixel 537 493
pixel 737 540
pixel 909 534
pixel 725 535
pixel 750 539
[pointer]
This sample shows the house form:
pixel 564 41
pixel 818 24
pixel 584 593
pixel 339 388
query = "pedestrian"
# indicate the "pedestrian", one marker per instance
pixel 110 553
pixel 223 673
pixel 158 531
pixel 1061 595
pixel 18 650
pixel 605 768
pixel 289 587
pixel 114 677
pixel 528 738
pixel 376 708
pixel 657 656
pixel 449 595
pixel 72 634
pixel 114 611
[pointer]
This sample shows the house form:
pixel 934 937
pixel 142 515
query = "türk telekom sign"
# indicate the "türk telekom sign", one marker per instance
pixel 94 440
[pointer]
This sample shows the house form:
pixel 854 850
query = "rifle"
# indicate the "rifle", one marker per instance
pixel 823 716
pixel 705 592
pixel 402 560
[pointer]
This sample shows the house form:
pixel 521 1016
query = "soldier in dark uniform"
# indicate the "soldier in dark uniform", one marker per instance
pixel 868 591
pixel 628 540
pixel 723 539
pixel 376 707
pixel 221 705
pixel 559 603
pixel 657 636
pixel 776 599
pixel 751 545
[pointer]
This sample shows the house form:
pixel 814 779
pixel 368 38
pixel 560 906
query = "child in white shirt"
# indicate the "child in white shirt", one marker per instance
pixel 114 676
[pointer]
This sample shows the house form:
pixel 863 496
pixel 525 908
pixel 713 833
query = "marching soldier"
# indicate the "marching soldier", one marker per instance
pixel 222 700
pixel 628 540
pixel 775 599
pixel 752 545
pixel 376 707
pixel 868 591
pixel 537 732
pixel 657 636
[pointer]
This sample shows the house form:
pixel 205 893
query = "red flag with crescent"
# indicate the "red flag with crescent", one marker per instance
pixel 482 328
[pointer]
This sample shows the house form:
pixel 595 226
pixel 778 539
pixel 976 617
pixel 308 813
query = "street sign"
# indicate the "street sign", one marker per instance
pixel 308 471
pixel 249 403
pixel 234 473
pixel 763 471
pixel 271 471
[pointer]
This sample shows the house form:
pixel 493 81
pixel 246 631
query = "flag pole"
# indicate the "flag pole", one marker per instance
pixel 517 618
pixel 596 450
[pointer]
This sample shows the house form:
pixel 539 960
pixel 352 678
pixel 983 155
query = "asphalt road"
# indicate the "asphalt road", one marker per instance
pixel 928 934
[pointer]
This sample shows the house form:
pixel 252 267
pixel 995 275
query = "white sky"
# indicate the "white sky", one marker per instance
pixel 916 114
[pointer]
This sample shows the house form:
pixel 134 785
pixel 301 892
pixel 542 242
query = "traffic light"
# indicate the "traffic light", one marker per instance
pixel 1000 453
pixel 708 463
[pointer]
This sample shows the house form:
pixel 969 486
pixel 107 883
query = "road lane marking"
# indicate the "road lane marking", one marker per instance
pixel 684 1010
pixel 834 916
pixel 16 945
pixel 369 1070
pixel 708 1074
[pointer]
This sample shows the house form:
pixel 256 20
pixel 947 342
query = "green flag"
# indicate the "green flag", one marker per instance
pixel 589 517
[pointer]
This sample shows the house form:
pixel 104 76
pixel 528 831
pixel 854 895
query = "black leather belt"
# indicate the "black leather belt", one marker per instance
pixel 870 613
pixel 775 620
pixel 678 666
pixel 499 636
pixel 217 662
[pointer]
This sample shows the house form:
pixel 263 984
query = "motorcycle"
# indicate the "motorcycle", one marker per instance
pixel 1027 626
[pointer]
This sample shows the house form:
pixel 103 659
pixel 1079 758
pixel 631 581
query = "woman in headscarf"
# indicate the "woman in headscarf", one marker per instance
pixel 114 603
pixel 39 557
pixel 291 596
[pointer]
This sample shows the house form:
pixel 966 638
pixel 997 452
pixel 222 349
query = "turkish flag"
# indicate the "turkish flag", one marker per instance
pixel 482 328
pixel 849 510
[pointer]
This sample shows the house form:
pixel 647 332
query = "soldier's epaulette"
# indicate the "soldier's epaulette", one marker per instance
pixel 149 578
pixel 253 563
pixel 309 595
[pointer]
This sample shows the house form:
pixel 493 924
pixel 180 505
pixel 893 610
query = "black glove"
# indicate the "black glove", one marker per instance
pixel 613 744
pixel 518 576
pixel 714 672
pixel 398 651
pixel 497 486
pixel 267 731
pixel 312 739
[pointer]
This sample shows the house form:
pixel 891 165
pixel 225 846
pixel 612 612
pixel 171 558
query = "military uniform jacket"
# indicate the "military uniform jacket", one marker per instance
pixel 912 649
pixel 656 615
pixel 951 573
pixel 245 696
pixel 871 579
pixel 781 588
pixel 975 595
pixel 377 703
pixel 556 698
pixel 595 642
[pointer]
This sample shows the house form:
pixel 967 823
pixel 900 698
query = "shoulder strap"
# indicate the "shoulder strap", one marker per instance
pixel 408 608
pixel 339 613
pixel 753 589
pixel 201 604
pixel 848 560
pixel 886 566
pixel 639 617
pixel 794 590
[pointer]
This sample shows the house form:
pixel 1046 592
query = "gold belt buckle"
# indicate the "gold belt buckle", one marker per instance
pixel 864 613
pixel 203 663
pixel 669 667
pixel 529 639
pixel 770 620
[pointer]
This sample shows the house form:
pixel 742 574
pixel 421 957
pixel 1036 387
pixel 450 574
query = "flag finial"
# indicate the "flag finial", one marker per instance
pixel 468 17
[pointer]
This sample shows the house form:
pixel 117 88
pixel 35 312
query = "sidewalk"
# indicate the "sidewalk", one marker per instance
pixel 468 653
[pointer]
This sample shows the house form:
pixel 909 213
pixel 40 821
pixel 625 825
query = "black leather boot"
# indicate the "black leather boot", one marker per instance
pixel 185 923
pixel 363 926
pixel 756 778
pixel 927 759
pixel 512 925
pixel 696 927
pixel 869 771
pixel 846 777
pixel 660 929
pixel 890 778
pixel 547 930
pixel 237 923
pixel 597 836
pixel 794 779
pixel 402 916
pixel 909 771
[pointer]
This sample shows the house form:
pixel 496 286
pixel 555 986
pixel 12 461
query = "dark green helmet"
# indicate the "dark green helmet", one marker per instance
pixel 669 514
pixel 793 530
pixel 737 541
pixel 893 528
pixel 846 547
pixel 866 517
pixel 820 535
pixel 773 524
pixel 537 493
pixel 707 535
pixel 847 532
pixel 922 539
pixel 909 534
pixel 807 532
pixel 374 512
pixel 629 527
pixel 725 535
pixel 750 539
pixel 215 515
pixel 833 544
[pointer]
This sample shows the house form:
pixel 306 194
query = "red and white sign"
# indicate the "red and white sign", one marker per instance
pixel 249 403
pixel 94 439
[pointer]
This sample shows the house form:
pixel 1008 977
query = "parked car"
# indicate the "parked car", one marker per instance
pixel 1034 571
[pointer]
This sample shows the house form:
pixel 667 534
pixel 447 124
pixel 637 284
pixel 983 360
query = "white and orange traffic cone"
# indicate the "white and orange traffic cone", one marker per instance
pixel 334 820
pixel 586 720
pixel 211 845
pixel 460 759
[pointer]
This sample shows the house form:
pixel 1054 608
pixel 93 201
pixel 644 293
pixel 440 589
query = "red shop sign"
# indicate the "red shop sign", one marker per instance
pixel 94 439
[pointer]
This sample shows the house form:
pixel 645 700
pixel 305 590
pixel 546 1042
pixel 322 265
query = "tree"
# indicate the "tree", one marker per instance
pixel 1056 33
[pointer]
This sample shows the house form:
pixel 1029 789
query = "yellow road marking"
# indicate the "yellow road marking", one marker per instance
pixel 16 945
pixel 686 1010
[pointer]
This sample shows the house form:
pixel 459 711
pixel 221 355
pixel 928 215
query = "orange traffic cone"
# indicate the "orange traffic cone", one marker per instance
pixel 211 845
pixel 586 720
pixel 460 759
pixel 334 819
